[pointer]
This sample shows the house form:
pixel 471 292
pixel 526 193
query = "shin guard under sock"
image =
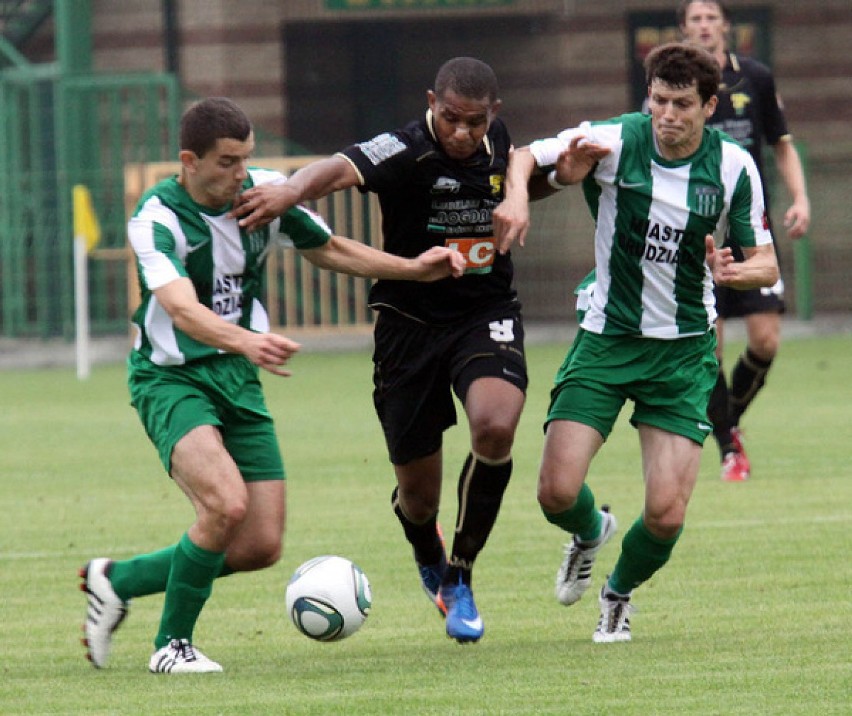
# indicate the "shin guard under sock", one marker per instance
pixel 582 519
pixel 480 494
pixel 190 585
pixel 146 574
pixel 642 554
pixel 747 378
pixel 719 413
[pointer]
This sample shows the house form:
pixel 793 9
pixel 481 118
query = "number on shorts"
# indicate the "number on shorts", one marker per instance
pixel 502 331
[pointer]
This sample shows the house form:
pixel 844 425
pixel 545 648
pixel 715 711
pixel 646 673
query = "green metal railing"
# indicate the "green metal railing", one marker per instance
pixel 59 130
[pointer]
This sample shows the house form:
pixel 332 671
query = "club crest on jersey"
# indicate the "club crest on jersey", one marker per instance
pixel 446 185
pixel 706 200
pixel 256 240
pixel 496 181
pixel 740 101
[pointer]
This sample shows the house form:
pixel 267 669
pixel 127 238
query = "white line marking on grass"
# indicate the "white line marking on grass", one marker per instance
pixel 789 520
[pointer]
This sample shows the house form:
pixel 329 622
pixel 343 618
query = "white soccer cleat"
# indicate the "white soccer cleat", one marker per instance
pixel 104 612
pixel 575 574
pixel 181 657
pixel 614 624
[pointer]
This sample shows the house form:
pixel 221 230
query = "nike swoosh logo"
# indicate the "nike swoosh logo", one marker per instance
pixel 704 426
pixel 190 249
pixel 511 374
pixel 475 624
pixel 630 185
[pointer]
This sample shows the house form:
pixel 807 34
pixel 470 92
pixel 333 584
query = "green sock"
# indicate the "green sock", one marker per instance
pixel 146 573
pixel 142 575
pixel 189 586
pixel 642 554
pixel 582 519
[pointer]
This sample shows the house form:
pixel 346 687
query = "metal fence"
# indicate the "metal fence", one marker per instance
pixel 59 130
pixel 113 135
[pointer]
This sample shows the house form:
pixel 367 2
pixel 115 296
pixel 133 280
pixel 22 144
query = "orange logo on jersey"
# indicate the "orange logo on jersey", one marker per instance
pixel 478 253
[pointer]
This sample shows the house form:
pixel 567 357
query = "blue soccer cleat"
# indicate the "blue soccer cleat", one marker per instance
pixel 463 621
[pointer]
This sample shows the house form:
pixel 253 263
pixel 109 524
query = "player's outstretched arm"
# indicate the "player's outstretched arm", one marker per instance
pixel 574 163
pixel 512 216
pixel 261 204
pixel 357 259
pixel 759 269
pixel 269 351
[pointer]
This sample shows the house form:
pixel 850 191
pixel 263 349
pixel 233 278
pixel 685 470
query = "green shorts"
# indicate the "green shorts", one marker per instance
pixel 223 391
pixel 669 382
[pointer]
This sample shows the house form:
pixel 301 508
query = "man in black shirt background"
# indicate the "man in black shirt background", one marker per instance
pixel 750 110
pixel 438 180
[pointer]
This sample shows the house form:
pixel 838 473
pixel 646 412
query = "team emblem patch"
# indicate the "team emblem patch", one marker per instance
pixel 740 101
pixel 706 200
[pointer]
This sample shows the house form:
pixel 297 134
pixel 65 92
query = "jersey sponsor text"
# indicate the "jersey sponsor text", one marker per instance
pixel 478 253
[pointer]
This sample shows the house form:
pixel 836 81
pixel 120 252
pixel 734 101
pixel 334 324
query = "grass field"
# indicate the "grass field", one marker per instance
pixel 751 616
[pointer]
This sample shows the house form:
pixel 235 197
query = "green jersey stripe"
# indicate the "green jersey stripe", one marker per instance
pixel 173 237
pixel 651 216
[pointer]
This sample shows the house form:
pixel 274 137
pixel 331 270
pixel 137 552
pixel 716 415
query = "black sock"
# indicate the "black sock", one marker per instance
pixel 747 378
pixel 718 411
pixel 423 537
pixel 480 493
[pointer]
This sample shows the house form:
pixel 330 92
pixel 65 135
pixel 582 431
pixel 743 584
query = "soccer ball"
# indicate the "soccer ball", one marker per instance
pixel 328 598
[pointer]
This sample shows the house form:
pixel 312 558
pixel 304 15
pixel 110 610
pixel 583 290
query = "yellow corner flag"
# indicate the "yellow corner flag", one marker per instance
pixel 85 220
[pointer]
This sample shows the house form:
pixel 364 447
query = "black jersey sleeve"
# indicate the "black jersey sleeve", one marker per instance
pixel 772 114
pixel 384 162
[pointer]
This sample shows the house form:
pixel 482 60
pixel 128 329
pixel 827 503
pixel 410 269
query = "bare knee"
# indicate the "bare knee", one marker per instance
pixel 224 517
pixel 492 437
pixel 260 556
pixel 420 503
pixel 764 336
pixel 555 495
pixel 666 524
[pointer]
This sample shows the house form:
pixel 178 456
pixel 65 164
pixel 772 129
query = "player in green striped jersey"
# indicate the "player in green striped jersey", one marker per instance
pixel 202 334
pixel 659 188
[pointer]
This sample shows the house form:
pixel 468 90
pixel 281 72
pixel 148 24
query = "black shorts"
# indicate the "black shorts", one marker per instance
pixel 418 366
pixel 733 303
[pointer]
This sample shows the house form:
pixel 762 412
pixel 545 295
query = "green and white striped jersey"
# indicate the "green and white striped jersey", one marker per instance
pixel 173 237
pixel 651 216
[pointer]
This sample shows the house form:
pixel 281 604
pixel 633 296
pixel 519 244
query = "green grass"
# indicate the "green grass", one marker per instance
pixel 751 615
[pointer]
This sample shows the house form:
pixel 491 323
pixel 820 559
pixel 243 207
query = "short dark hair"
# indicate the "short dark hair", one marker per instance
pixel 467 77
pixel 681 65
pixel 684 6
pixel 211 119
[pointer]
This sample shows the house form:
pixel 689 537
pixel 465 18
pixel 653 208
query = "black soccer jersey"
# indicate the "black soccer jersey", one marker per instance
pixel 749 109
pixel 428 199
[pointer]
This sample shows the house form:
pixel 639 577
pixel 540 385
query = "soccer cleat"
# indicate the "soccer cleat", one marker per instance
pixel 735 468
pixel 181 657
pixel 575 573
pixel 104 613
pixel 463 621
pixel 735 465
pixel 431 576
pixel 614 624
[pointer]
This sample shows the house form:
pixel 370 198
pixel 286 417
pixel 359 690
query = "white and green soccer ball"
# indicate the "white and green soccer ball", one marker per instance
pixel 328 598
